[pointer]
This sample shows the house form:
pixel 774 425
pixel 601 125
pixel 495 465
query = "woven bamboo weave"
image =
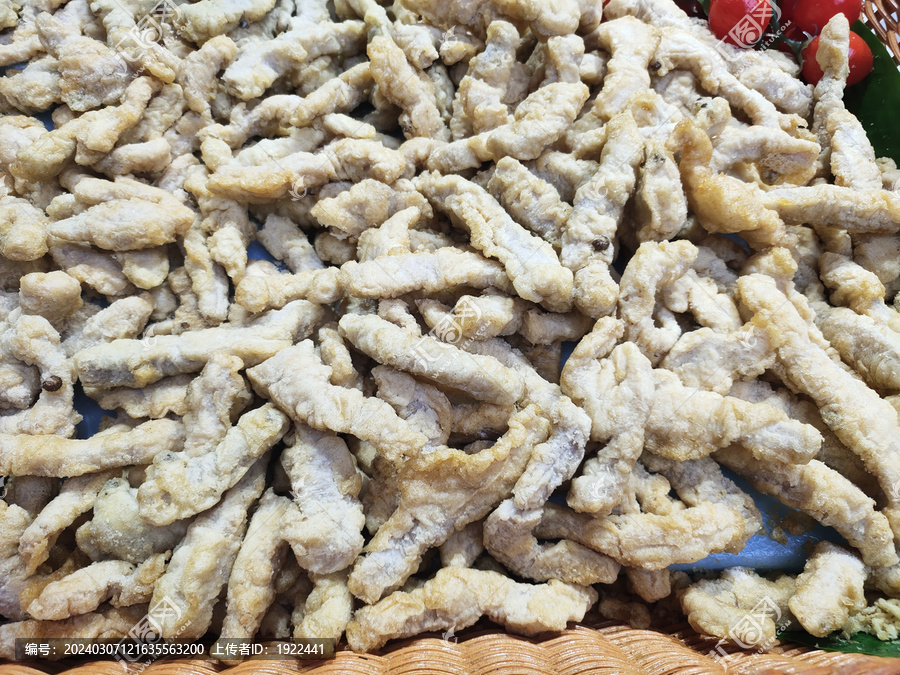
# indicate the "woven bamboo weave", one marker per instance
pixel 883 17
pixel 593 649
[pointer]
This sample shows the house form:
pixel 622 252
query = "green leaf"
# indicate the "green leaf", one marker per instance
pixel 858 643
pixel 876 100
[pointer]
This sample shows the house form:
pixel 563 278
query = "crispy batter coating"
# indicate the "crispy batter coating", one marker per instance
pixel 87 137
pixel 117 531
pixel 824 494
pixel 740 605
pixel 868 210
pixel 617 393
pixel 43 455
pixel 457 598
pixel 365 205
pixel 407 88
pixel 723 203
pixel 83 591
pixel 31 340
pixel 91 74
pixel 508 538
pixel 863 421
pixel 481 376
pixel 251 583
pixel 631 44
pixel 440 492
pixel 326 534
pixel 530 262
pixel 428 271
pixel 110 623
pixel 23 229
pixel 422 405
pixel 135 363
pixel 14 521
pixel 656 540
pixel 76 496
pixel 300 384
pixel 201 563
pixel 653 266
pixel 531 201
pixel 872 349
pixel 836 574
pixel 538 122
pixel 179 485
pixel 327 610
pixel 121 225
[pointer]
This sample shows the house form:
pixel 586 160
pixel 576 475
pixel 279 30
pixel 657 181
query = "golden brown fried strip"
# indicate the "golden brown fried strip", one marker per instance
pixel 201 563
pixel 326 533
pixel 456 598
pixel 723 203
pixel 829 590
pixel 299 383
pixel 482 377
pixel 440 492
pixel 135 363
pixel 862 420
pixel 56 456
pixel 179 485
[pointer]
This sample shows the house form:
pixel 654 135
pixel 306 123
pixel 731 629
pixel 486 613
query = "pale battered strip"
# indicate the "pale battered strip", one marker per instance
pixel 257 293
pixel 483 377
pixel 61 457
pixel 84 590
pixel 428 271
pixel 135 363
pixel 508 538
pixel 856 211
pixel 530 200
pixel 650 540
pixel 201 563
pixel 859 417
pixel 179 486
pixel 75 497
pixel 325 485
pixel 440 492
pixel 457 598
pixel 829 590
pixel 251 584
pixel 299 383
pixel 107 623
pixel 539 121
pixel 155 400
pixel 530 262
pixel 216 394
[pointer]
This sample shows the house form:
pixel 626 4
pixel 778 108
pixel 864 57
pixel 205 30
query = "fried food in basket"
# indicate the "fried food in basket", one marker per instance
pixel 319 263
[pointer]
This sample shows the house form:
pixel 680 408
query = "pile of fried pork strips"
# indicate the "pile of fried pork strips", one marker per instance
pixel 359 437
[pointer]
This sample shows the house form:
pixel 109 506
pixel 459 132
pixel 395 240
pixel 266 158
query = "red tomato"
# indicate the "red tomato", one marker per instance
pixel 860 60
pixel 788 24
pixel 812 15
pixel 739 22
